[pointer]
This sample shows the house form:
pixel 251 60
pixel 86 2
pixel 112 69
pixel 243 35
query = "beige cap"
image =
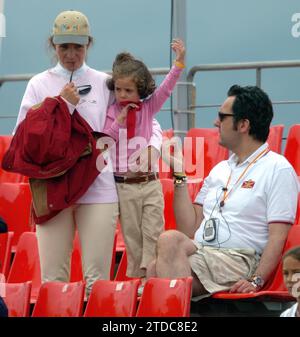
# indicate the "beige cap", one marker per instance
pixel 71 27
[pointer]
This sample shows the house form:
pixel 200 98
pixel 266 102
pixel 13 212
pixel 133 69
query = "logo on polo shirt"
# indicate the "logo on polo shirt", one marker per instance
pixel 248 184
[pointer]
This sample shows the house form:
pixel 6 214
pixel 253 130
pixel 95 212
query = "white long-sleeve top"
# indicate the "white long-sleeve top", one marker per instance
pixel 92 107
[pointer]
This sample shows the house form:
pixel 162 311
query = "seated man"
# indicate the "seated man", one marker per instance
pixel 232 237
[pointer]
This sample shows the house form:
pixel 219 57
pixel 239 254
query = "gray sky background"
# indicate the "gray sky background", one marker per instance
pixel 217 32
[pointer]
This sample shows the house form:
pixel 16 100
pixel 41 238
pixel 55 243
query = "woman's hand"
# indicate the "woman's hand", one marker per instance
pixel 179 49
pixel 70 93
pixel 121 118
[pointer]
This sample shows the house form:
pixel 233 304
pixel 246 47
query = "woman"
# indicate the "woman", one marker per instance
pixel 95 213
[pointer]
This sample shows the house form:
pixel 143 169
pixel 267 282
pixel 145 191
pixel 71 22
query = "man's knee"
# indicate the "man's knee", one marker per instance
pixel 168 241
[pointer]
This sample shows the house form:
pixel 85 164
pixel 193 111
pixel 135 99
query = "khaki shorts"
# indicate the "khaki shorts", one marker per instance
pixel 219 268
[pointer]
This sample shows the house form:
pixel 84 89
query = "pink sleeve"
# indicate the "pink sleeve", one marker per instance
pixel 163 92
pixel 156 138
pixel 111 126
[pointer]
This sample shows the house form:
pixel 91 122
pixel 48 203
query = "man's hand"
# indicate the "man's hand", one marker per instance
pixel 70 93
pixel 243 286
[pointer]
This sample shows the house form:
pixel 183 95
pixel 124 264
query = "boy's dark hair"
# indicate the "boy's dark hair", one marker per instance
pixel 125 65
pixel 252 103
pixel 293 252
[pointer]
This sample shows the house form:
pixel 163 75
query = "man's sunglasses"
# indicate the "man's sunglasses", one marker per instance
pixel 223 115
pixel 84 89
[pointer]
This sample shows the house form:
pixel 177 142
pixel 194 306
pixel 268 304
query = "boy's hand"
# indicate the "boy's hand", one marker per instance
pixel 178 47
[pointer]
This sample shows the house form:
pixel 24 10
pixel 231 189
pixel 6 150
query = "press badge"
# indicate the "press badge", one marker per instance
pixel 209 232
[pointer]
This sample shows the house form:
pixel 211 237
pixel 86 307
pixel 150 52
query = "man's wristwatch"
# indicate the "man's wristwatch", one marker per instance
pixel 257 281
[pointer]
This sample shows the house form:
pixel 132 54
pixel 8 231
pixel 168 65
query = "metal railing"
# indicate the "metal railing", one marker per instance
pixel 191 87
pixel 27 77
pixel 257 66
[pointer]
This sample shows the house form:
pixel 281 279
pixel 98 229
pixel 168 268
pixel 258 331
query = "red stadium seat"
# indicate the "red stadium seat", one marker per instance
pixel 4 175
pixel 113 299
pixel 5 252
pixel 26 263
pixel 166 298
pixel 202 146
pixel 122 268
pixel 59 299
pixel 168 193
pixel 120 244
pixel 292 148
pixel 275 288
pixel 76 263
pixel 15 204
pixel 17 298
pixel 164 169
pixel 275 138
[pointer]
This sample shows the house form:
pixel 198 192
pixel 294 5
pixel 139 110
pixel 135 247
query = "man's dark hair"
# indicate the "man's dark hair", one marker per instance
pixel 252 103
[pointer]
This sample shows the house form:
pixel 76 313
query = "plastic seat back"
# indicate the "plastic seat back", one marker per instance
pixel 5 252
pixel 164 169
pixel 122 268
pixel 5 176
pixel 15 204
pixel 120 244
pixel 275 138
pixel 59 299
pixel 17 298
pixel 203 148
pixel 113 299
pixel 168 193
pixel 293 240
pixel 166 298
pixel 26 263
pixel 292 148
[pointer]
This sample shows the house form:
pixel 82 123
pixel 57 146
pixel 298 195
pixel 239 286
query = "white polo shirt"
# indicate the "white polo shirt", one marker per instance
pixel 266 193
